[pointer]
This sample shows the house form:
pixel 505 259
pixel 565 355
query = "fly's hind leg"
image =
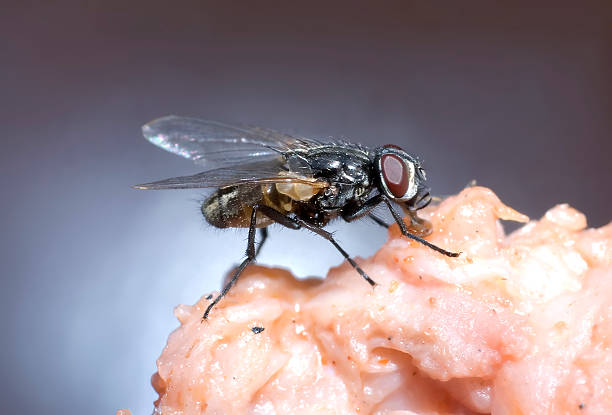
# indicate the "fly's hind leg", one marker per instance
pixel 250 253
pixel 296 223
pixel 264 236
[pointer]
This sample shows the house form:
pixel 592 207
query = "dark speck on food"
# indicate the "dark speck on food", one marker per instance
pixel 257 330
pixel 581 406
pixel 209 296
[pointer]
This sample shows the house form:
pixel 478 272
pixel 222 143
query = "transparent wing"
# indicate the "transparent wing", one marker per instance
pixel 262 172
pixel 214 144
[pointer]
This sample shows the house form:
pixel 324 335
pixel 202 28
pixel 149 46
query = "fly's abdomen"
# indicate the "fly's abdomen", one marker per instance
pixel 231 207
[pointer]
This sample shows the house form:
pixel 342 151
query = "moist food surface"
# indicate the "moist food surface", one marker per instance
pixel 518 324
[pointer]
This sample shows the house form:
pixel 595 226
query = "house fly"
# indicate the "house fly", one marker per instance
pixel 262 177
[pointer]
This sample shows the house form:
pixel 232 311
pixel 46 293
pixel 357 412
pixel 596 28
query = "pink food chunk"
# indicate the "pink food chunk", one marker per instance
pixel 517 324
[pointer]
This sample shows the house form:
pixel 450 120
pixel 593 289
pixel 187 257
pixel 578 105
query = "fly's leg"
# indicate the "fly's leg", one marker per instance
pixel 418 226
pixel 327 235
pixel 331 239
pixel 250 253
pixel 279 218
pixel 421 226
pixel 404 230
pixel 264 236
pixel 378 221
pixel 363 210
pixel 423 199
pixel 366 209
pixel 296 223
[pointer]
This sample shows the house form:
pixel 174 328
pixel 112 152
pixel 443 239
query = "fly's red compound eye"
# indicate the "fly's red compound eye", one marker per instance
pixel 395 174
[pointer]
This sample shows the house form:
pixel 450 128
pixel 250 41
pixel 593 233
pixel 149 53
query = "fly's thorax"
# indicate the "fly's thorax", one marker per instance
pixel 349 174
pixel 339 195
pixel 351 185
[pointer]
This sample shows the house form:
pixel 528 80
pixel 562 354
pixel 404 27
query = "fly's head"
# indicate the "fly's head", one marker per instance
pixel 400 176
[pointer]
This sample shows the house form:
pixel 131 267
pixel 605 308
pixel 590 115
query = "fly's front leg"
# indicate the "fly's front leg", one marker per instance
pixel 404 230
pixel 297 223
pixel 366 209
pixel 250 253
pixel 422 199
pixel 363 210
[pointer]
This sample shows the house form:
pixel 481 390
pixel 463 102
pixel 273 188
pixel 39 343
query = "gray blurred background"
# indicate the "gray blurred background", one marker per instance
pixel 517 97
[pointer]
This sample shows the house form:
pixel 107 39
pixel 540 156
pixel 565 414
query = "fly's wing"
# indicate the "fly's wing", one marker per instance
pixel 216 145
pixel 253 173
